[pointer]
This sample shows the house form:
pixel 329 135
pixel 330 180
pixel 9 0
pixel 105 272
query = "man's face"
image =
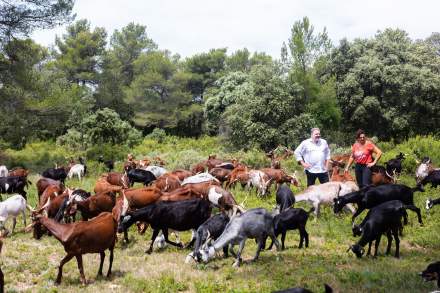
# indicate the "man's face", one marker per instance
pixel 316 135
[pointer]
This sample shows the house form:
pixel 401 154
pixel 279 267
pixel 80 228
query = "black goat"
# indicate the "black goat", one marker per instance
pixel 381 219
pixel 433 178
pixel 139 175
pixel 55 174
pixel 291 219
pixel 327 289
pixel 432 272
pixel 211 229
pixel 284 197
pixel 357 229
pixel 432 202
pixel 179 215
pixel 110 164
pixel 371 196
pixel 394 166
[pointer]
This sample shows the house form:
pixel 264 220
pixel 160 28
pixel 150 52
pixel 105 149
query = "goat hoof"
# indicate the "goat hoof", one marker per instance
pixel 149 251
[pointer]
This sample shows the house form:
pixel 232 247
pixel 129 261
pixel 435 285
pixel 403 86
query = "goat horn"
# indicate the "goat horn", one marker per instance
pixel 29 227
pixel 30 208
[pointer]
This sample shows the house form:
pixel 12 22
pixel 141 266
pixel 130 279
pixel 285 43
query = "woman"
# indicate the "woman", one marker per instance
pixel 362 153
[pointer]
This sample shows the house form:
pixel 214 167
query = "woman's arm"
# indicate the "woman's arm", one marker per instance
pixel 350 161
pixel 378 154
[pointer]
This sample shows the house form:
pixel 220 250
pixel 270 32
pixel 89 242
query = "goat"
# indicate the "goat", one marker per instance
pixel 92 206
pixel 156 170
pixel 326 193
pixel 389 205
pixel 178 215
pixel 12 207
pixel 94 236
pixel 260 181
pixel 140 175
pixel 284 198
pixel 255 223
pixel 381 219
pixel 432 202
pixel 432 272
pixel 371 196
pixel 78 170
pixel 110 164
pixel 3 171
pixel 291 219
pixel 394 166
pixel 211 229
pixel 433 177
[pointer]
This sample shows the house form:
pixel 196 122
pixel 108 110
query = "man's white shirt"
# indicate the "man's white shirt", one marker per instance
pixel 314 154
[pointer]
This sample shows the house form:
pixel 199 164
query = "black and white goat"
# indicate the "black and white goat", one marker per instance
pixel 211 229
pixel 255 223
pixel 432 273
pixel 432 202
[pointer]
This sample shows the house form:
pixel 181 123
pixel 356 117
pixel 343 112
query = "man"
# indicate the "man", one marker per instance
pixel 313 154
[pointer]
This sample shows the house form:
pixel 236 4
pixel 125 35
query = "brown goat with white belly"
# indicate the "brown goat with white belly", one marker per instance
pixel 94 236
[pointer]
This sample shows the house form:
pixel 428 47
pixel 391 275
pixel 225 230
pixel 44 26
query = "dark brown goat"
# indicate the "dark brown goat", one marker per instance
pixel 94 236
pixel 92 206
pixel 43 183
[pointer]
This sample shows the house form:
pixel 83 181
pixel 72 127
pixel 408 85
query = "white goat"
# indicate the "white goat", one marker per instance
pixel 325 193
pixel 156 170
pixel 198 178
pixel 259 180
pixel 77 169
pixel 3 171
pixel 12 207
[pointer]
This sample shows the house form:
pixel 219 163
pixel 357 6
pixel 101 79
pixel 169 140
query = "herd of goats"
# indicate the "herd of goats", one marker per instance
pixel 181 200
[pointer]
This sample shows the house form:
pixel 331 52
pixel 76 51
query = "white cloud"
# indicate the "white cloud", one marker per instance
pixel 194 26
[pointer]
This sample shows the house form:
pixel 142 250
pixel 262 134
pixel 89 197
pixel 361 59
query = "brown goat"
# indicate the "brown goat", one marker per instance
pixel 19 172
pixel 140 197
pixel 92 206
pixel 336 176
pixel 118 179
pixel 239 174
pixel 94 236
pixel 102 185
pixel 280 177
pixel 221 174
pixel 43 183
pixel 167 182
pixel 182 174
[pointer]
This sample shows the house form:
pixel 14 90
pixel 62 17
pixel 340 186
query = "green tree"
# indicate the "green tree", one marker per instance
pixel 388 85
pixel 19 18
pixel 80 52
pixel 205 68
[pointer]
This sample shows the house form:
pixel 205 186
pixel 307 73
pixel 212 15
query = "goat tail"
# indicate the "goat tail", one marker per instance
pixel 311 210
pixel 418 187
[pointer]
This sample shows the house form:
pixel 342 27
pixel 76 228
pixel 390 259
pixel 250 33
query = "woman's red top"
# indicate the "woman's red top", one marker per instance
pixel 362 154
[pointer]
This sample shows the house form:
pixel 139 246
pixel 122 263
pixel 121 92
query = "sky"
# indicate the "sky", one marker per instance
pixel 188 27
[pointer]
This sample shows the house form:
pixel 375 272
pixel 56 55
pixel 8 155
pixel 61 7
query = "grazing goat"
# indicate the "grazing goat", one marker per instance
pixel 381 219
pixel 371 196
pixel 386 206
pixel 12 207
pixel 255 223
pixel 78 170
pixel 432 272
pixel 110 164
pixel 178 215
pixel 55 174
pixel 211 229
pixel 326 193
pixel 140 175
pixel 291 219
pixel 260 181
pixel 94 236
pixel 430 203
pixel 433 177
pixel 284 198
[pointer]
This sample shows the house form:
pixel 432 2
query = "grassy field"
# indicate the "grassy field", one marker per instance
pixel 31 266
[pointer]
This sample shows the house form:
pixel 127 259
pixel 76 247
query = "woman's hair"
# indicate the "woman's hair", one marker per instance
pixel 359 133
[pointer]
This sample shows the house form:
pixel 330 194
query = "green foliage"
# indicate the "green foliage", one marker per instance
pixel 157 134
pixel 80 52
pixel 388 81
pixel 102 127
pixel 18 18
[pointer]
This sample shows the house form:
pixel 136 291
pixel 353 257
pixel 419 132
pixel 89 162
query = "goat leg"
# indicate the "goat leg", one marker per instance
pixel 153 237
pixel 240 249
pixel 390 240
pixel 259 247
pixel 111 262
pixel 14 222
pixel 79 260
pixel 102 256
pixel 396 238
pixel 376 245
pixel 60 268
pixel 283 238
pixel 165 235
